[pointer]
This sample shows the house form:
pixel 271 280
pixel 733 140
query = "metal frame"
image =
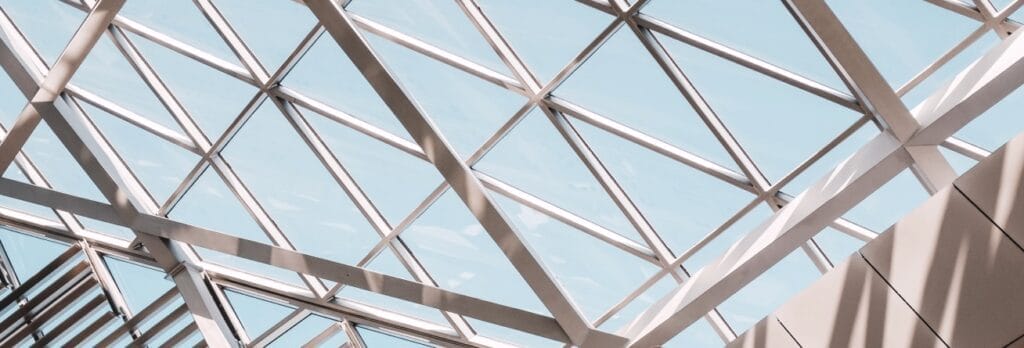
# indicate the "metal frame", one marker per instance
pixel 910 138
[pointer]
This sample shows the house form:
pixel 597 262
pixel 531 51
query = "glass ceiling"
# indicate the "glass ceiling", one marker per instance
pixel 619 148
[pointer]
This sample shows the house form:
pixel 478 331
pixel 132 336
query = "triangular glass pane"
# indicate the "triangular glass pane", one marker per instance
pixel 961 164
pixel 440 23
pixel 593 273
pixel 902 37
pixel 467 109
pixel 778 125
pixel 139 285
pixel 545 52
pixel 160 165
pixel 209 203
pixel 47 25
pixel 56 164
pixel 15 173
pixel 106 73
pixel 271 43
pixel 682 203
pixel 296 190
pixel 462 257
pixel 326 74
pixel 889 203
pixel 763 29
pixel 395 181
pixel 213 99
pixel 181 20
pixel 257 315
pixel 535 158
pixel 769 291
pixel 622 81
pixel 387 263
pixel 28 254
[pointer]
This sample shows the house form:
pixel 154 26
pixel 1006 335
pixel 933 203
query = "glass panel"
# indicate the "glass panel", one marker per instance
pixel 47 25
pixel 535 158
pixel 296 190
pixel 593 273
pixel 139 285
pixel 56 164
pixel 395 181
pixel 763 29
pixel 271 43
pixel 902 37
pixel 467 110
pixel 607 84
pixel 890 203
pixel 108 74
pixel 778 125
pixel 440 23
pixel 462 257
pixel 160 165
pixel 28 254
pixel 1001 4
pixel 373 339
pixel 209 203
pixel 997 125
pixel 959 162
pixel 531 25
pixel 682 204
pixel 326 74
pixel 257 315
pixel 769 291
pixel 213 99
pixel 179 19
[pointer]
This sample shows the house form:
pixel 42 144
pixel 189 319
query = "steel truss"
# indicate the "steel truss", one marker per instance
pixel 910 138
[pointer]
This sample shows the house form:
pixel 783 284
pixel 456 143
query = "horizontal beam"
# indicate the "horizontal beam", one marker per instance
pixel 383 284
